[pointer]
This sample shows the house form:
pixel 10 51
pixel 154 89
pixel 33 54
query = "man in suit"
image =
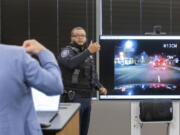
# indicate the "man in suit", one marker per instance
pixel 19 71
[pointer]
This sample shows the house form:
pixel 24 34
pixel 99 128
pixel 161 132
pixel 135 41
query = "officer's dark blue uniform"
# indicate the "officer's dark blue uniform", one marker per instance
pixel 79 78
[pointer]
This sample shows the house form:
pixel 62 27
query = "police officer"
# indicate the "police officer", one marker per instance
pixel 79 74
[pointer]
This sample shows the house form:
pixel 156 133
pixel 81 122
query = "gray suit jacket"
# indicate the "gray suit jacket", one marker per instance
pixel 18 72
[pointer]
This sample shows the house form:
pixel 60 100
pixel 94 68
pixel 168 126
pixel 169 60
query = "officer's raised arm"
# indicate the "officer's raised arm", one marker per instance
pixel 72 57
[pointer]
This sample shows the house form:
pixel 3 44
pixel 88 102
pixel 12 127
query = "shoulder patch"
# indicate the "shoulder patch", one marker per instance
pixel 65 53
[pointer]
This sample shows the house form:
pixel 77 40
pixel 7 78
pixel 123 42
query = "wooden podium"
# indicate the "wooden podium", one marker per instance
pixel 66 122
pixel 72 127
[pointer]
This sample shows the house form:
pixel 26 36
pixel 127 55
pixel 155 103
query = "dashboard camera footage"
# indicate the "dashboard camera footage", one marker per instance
pixel 140 67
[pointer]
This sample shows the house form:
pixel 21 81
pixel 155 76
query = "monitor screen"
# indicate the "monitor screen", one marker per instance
pixel 43 102
pixel 140 67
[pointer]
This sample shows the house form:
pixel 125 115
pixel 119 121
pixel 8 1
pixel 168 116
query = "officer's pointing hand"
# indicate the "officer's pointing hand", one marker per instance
pixel 93 47
pixel 103 90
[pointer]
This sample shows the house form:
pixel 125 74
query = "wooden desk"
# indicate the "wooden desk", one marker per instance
pixel 67 121
pixel 72 127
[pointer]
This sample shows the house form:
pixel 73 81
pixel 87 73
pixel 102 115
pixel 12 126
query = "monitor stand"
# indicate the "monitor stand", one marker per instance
pixel 136 124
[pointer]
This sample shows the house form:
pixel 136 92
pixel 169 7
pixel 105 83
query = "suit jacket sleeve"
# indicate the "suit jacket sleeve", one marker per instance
pixel 47 77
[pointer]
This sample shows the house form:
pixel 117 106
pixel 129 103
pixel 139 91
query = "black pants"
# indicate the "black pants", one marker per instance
pixel 85 111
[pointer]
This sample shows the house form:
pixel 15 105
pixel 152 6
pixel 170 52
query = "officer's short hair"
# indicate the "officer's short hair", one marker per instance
pixel 76 28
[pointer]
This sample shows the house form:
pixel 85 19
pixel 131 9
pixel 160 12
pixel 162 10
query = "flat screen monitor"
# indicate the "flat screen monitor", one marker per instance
pixel 140 67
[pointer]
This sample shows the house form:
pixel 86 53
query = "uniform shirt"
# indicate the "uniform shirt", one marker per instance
pixel 74 57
